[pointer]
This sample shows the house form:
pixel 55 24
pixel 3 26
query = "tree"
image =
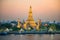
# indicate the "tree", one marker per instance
pixel 7 25
pixel 53 26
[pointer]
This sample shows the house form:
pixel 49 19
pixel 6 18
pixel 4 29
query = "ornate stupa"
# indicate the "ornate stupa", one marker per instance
pixel 38 24
pixel 18 25
pixel 30 19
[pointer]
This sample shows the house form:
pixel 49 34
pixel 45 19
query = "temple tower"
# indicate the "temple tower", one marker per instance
pixel 18 25
pixel 38 24
pixel 30 19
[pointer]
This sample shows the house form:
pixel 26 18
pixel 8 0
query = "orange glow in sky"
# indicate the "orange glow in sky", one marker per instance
pixel 46 10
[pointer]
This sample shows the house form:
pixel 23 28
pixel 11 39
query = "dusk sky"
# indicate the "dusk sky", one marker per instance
pixel 46 10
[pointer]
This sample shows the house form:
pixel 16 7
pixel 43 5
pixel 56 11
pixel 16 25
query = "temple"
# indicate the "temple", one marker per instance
pixel 18 25
pixel 30 19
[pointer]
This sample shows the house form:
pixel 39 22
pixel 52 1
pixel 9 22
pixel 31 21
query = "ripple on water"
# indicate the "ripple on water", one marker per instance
pixel 31 37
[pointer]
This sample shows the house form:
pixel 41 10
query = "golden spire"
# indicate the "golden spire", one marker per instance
pixel 30 10
pixel 18 25
pixel 38 24
pixel 30 19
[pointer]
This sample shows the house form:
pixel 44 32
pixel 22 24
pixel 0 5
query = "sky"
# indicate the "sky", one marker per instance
pixel 46 10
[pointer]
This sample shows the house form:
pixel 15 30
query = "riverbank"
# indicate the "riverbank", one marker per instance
pixel 19 33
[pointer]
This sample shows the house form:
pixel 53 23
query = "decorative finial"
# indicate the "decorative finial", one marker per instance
pixel 30 6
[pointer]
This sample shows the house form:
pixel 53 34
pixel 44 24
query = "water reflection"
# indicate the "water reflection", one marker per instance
pixel 52 37
pixel 31 37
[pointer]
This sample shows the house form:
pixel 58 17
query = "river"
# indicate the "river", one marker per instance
pixel 31 37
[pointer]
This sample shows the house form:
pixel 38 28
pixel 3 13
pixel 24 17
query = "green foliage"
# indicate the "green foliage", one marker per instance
pixel 53 26
pixel 57 27
pixel 6 25
pixel 15 28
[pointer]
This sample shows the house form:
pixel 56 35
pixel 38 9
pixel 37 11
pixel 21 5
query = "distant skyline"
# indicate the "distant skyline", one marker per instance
pixel 46 10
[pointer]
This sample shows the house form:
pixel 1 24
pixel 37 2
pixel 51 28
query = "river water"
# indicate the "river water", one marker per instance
pixel 31 37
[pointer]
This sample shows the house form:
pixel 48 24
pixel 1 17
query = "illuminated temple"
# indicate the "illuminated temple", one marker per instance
pixel 29 22
pixel 30 19
pixel 18 25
